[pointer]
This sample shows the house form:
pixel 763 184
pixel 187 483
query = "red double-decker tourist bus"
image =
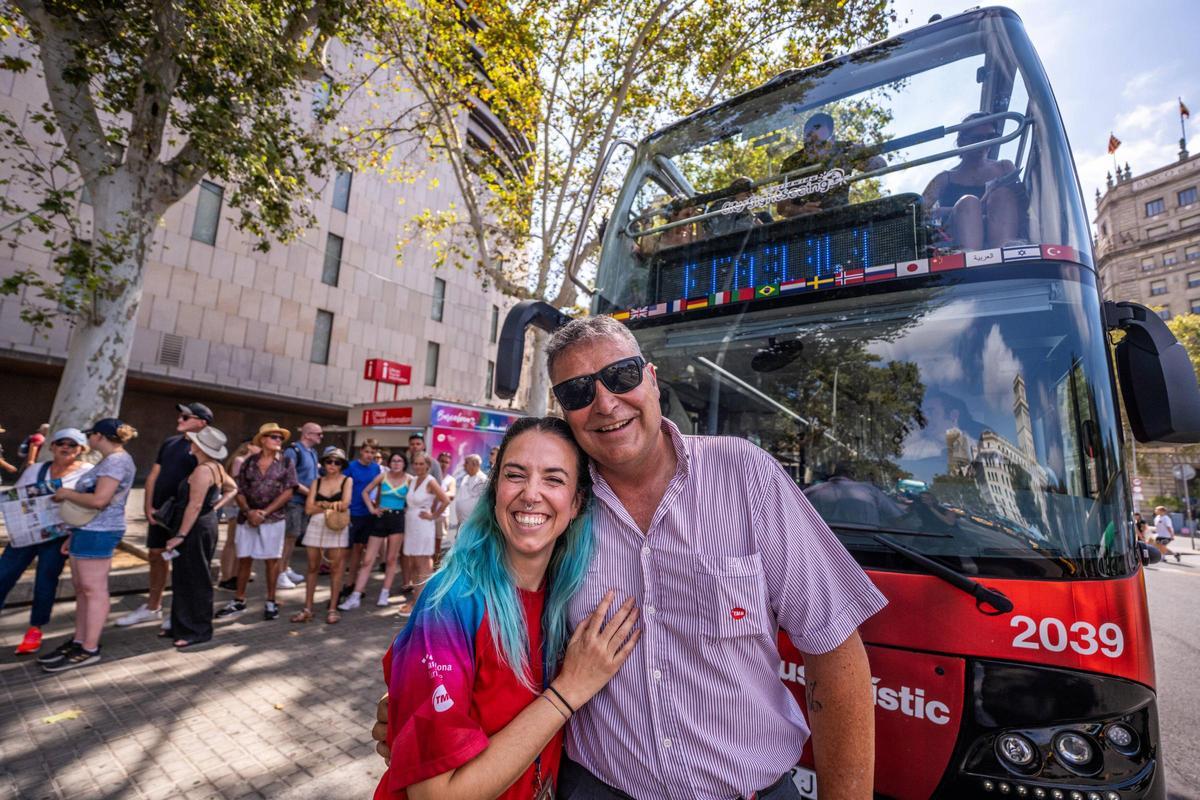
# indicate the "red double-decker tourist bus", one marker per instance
pixel 879 270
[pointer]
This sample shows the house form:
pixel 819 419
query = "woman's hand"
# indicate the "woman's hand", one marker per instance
pixel 426 515
pixel 66 545
pixel 174 542
pixel 255 517
pixel 61 494
pixel 597 650
pixel 376 511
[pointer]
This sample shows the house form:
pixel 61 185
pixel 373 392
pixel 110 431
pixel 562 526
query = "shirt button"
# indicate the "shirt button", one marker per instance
pixel 666 742
pixel 650 610
pixel 646 550
pixel 657 675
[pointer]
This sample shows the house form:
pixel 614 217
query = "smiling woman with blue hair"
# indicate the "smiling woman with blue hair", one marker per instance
pixel 478 696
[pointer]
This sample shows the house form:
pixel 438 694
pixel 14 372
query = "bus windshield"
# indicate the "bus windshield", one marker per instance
pixel 972 419
pixel 940 144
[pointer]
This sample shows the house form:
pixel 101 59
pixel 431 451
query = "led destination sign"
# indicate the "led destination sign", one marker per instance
pixel 819 246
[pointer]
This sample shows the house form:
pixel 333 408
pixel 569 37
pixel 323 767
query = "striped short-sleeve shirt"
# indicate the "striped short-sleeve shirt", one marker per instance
pixel 734 553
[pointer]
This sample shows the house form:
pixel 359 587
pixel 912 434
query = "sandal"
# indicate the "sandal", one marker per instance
pixel 183 644
pixel 333 617
pixel 303 615
pixel 405 610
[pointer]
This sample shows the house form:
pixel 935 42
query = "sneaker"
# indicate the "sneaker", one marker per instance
pixel 31 643
pixel 284 582
pixel 232 609
pixel 352 602
pixel 1178 558
pixel 293 576
pixel 78 657
pixel 383 597
pixel 271 610
pixel 58 653
pixel 166 625
pixel 140 615
pixel 229 583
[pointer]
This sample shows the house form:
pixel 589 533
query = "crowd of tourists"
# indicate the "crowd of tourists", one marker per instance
pixel 271 494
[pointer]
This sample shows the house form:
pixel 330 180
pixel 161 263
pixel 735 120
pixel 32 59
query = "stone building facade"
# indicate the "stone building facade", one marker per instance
pixel 281 335
pixel 1148 251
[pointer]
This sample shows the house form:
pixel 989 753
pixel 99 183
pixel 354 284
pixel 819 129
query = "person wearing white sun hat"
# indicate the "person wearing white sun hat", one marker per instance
pixel 194 537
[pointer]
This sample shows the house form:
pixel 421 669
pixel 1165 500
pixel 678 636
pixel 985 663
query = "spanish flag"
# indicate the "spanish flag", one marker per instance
pixel 1183 110
pixel 1113 143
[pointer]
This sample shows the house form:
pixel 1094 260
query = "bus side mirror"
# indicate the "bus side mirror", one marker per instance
pixel 1157 381
pixel 1150 555
pixel 510 352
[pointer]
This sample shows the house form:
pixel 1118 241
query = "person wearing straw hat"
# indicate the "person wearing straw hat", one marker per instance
pixel 194 539
pixel 67 446
pixel 265 485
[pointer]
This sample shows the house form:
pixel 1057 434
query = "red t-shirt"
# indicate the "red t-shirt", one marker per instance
pixel 449 690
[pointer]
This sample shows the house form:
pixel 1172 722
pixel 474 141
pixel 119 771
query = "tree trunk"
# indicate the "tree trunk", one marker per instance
pixel 539 381
pixel 93 379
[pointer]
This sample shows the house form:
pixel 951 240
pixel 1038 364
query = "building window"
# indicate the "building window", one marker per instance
pixel 1192 252
pixel 341 190
pixel 1155 207
pixel 439 301
pixel 1147 263
pixel 1158 288
pixel 1170 259
pixel 1104 229
pixel 322 332
pixel 1188 196
pixel 1189 222
pixel 1164 312
pixel 487 387
pixel 495 324
pixel 321 93
pixel 208 212
pixel 1195 306
pixel 1193 280
pixel 432 351
pixel 333 260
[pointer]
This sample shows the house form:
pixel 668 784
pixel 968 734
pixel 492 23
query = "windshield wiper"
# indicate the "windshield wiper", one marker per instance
pixel 982 594
pixel 856 527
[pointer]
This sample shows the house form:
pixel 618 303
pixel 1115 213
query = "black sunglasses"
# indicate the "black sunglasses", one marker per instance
pixel 66 443
pixel 332 461
pixel 618 377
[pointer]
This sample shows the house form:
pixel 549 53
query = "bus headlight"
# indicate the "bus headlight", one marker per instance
pixel 1075 750
pixel 1016 750
pixel 1122 738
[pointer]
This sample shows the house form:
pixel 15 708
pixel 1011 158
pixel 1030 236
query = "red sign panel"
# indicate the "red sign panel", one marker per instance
pixel 383 371
pixel 401 415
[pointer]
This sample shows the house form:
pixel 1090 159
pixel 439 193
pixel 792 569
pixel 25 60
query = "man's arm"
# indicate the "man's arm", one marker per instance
pixel 841 714
pixel 149 492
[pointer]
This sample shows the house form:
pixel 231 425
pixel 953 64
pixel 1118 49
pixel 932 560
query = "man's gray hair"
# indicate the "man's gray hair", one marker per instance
pixel 473 457
pixel 588 329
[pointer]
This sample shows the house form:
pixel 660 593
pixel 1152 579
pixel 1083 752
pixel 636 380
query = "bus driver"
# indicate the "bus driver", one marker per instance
pixel 714 587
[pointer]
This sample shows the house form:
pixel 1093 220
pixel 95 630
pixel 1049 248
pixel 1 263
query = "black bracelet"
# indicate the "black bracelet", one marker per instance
pixel 564 700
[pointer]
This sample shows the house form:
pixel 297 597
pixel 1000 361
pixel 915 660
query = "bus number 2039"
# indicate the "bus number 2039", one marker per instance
pixel 1054 635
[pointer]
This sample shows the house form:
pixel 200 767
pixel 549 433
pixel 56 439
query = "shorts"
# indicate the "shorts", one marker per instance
pixel 264 542
pixel 94 544
pixel 391 522
pixel 361 528
pixel 317 535
pixel 1164 539
pixel 296 521
pixel 156 537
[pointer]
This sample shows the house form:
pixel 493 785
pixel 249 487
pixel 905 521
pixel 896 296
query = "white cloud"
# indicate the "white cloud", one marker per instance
pixel 926 343
pixel 1137 86
pixel 1146 117
pixel 999 366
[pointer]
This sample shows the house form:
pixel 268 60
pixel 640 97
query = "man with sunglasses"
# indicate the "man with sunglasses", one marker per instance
pixel 722 549
pixel 822 147
pixel 174 463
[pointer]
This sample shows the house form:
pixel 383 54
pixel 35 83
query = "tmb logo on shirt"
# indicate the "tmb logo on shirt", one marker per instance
pixel 737 613
pixel 441 699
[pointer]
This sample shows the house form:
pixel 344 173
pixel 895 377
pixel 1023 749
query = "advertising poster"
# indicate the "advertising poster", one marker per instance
pixel 30 517
pixel 462 443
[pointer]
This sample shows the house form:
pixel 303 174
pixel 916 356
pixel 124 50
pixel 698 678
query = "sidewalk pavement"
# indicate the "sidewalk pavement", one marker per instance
pixel 265 710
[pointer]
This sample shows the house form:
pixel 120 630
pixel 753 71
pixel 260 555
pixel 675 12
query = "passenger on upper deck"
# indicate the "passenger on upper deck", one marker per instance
pixel 978 203
pixel 820 147
pixel 682 234
pixel 742 219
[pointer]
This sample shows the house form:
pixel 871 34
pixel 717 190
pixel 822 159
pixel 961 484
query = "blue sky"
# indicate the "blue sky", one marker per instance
pixel 1115 66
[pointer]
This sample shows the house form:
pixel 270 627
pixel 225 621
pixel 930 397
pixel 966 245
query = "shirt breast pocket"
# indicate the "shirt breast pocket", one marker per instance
pixel 733 595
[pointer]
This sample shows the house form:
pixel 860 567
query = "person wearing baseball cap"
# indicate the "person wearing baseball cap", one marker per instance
pixel 171 467
pixel 66 465
pixel 101 493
